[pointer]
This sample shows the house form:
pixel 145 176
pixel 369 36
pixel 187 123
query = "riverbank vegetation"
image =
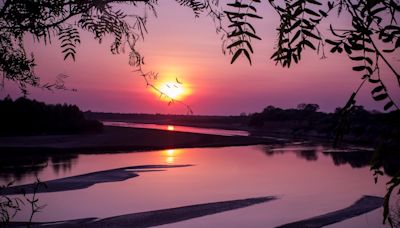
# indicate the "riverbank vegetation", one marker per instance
pixel 305 121
pixel 358 126
pixel 30 117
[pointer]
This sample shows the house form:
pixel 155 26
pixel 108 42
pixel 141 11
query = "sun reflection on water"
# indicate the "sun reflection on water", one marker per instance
pixel 170 160
pixel 170 152
pixel 170 155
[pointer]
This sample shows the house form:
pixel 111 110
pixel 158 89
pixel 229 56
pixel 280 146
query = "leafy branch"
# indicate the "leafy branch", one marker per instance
pixel 242 31
pixel 9 207
pixel 137 61
pixel 298 29
pixel 69 38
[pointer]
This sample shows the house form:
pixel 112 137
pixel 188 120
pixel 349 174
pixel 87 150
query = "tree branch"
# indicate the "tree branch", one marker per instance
pixel 385 60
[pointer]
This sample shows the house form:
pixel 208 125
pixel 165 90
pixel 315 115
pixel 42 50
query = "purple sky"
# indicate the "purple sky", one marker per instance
pixel 179 45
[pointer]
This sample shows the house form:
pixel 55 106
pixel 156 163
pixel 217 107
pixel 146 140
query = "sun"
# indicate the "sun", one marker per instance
pixel 172 90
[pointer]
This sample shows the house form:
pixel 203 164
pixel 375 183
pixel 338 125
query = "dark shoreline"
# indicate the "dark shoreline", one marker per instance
pixel 122 139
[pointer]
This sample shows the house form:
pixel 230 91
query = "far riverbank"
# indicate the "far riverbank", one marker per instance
pixel 114 139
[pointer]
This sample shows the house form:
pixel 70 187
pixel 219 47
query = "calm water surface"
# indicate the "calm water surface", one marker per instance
pixel 211 131
pixel 308 182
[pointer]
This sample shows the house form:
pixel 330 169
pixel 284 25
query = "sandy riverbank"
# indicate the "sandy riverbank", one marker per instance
pixel 86 180
pixel 172 215
pixel 155 218
pixel 114 139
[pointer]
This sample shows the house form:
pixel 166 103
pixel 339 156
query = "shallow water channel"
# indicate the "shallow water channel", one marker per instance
pixel 308 181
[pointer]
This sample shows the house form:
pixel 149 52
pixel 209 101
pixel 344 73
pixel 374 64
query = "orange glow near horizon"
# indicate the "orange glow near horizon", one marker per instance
pixel 170 128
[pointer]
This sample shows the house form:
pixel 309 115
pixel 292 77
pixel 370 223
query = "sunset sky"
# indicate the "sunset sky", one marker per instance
pixel 181 46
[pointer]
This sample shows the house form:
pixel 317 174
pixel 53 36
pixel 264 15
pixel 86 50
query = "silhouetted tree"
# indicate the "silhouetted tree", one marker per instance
pixel 29 117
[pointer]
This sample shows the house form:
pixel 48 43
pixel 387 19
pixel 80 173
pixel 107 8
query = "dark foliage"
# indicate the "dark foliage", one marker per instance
pixel 62 20
pixel 369 41
pixel 30 117
pixel 362 126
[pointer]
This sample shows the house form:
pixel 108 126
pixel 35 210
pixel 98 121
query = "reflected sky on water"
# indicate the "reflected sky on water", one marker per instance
pixel 308 181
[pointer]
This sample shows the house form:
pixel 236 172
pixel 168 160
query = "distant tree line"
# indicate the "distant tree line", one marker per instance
pixel 225 122
pixel 305 120
pixel 30 117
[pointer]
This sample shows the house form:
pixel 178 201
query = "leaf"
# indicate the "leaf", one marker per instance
pixel 69 50
pixel 236 55
pixel 296 24
pixel 375 11
pixel 246 53
pixel 374 80
pixel 369 60
pixel 357 58
pixel 308 33
pixel 311 12
pixel 380 97
pixel 388 105
pixel 392 27
pixel 377 89
pixel 296 60
pixel 235 33
pixel 295 36
pixel 330 5
pixel 252 35
pixel 323 13
pixel 335 43
pixel 309 44
pixel 359 68
pixel 347 48
pixel 388 51
pixel 369 69
pixel 236 43
pixel 314 2
pixel 252 15
pixel 69 54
